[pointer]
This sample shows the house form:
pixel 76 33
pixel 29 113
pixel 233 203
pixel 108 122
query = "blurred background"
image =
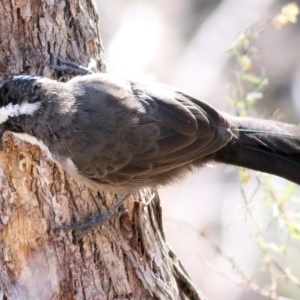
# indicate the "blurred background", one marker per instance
pixel 183 43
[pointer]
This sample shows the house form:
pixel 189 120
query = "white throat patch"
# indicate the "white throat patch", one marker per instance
pixel 14 110
pixel 33 141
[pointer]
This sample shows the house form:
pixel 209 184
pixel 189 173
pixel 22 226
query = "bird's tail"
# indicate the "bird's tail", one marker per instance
pixel 266 146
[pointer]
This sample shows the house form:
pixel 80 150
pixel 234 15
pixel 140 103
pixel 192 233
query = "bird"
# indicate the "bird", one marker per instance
pixel 120 134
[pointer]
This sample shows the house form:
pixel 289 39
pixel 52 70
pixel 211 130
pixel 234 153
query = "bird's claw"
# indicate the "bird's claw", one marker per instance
pixel 96 221
pixel 70 67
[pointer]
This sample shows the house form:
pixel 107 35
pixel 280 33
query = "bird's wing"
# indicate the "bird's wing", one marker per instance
pixel 187 130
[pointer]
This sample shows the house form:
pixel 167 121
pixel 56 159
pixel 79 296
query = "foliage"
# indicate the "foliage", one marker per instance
pixel 279 207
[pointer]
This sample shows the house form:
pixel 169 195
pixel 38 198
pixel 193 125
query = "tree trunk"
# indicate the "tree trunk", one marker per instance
pixel 125 258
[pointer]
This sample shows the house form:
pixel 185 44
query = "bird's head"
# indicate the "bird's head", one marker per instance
pixel 19 97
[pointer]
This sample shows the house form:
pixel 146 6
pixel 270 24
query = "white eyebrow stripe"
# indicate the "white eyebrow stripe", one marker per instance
pixel 15 110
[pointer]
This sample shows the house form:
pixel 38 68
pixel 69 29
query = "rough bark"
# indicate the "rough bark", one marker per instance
pixel 125 258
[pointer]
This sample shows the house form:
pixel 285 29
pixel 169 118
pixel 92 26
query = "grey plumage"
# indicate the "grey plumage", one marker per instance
pixel 119 134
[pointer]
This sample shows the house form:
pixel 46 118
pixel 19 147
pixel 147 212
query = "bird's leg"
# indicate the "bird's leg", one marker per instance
pixel 70 67
pixel 97 221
